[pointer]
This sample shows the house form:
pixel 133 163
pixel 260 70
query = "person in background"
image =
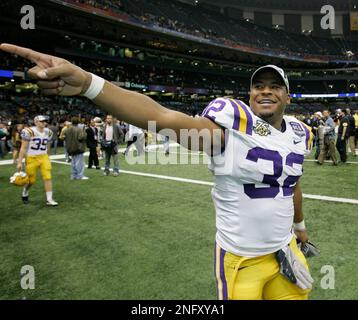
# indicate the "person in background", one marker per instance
pixel 16 143
pixel 316 124
pixel 166 145
pixel 92 142
pixel 62 137
pixel 99 125
pixel 351 132
pixel 4 134
pixel 75 138
pixel 356 127
pixel 341 143
pixel 328 140
pixel 112 136
pixel 36 141
pixel 55 129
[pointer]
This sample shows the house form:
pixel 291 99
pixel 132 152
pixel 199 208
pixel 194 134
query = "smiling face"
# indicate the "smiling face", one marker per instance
pixel 269 96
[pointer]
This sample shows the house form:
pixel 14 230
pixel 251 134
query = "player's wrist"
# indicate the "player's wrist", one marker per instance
pixel 93 86
pixel 87 82
pixel 299 226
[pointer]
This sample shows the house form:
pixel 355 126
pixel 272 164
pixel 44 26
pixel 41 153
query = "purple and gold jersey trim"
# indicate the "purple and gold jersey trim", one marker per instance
pixel 243 119
pixel 222 291
pixel 309 136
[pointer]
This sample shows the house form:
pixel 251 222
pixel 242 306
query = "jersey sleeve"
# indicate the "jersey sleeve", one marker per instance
pixel 26 134
pixel 230 114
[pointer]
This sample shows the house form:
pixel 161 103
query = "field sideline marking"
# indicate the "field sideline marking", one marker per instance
pixel 154 148
pixel 207 183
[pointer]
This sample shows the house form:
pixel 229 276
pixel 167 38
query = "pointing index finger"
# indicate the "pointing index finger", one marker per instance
pixel 26 53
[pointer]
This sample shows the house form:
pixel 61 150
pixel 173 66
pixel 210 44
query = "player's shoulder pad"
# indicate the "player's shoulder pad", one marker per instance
pixel 306 133
pixel 27 134
pixel 230 114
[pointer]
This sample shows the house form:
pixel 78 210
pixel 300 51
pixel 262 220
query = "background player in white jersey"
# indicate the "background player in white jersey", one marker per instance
pixel 257 196
pixel 35 146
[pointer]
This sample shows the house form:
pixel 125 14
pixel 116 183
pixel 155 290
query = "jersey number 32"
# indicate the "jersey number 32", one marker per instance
pixel 273 188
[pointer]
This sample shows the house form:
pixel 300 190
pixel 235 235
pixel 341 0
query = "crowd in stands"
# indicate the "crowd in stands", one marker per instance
pixel 207 24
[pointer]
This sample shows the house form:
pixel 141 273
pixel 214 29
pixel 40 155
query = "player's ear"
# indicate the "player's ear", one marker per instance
pixel 288 98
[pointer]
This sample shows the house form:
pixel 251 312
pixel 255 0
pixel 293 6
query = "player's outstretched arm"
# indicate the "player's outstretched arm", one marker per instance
pixel 57 76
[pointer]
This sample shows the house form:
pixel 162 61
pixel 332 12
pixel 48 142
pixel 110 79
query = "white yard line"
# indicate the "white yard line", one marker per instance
pixel 207 183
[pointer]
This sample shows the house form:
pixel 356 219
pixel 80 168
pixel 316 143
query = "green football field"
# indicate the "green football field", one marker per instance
pixel 143 237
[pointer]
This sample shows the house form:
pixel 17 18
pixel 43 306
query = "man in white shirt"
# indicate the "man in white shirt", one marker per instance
pixel 112 136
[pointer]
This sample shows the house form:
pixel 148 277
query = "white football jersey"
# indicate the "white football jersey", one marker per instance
pixel 37 140
pixel 254 178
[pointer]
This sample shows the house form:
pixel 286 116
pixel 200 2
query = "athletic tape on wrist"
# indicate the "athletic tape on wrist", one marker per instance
pixel 95 87
pixel 299 226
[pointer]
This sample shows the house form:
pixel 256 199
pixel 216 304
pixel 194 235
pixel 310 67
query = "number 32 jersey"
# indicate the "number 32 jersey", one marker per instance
pixel 37 140
pixel 254 178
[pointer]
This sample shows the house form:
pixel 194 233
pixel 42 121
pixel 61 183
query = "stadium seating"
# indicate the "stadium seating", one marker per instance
pixel 204 23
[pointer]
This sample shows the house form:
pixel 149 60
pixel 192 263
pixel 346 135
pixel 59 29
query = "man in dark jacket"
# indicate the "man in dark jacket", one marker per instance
pixel 92 141
pixel 343 132
pixel 351 132
pixel 112 137
pixel 75 138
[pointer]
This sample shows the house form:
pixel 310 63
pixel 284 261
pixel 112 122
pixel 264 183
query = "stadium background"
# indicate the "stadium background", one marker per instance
pixel 140 237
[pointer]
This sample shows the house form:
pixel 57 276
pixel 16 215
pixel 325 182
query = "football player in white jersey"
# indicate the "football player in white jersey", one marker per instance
pixel 35 146
pixel 257 196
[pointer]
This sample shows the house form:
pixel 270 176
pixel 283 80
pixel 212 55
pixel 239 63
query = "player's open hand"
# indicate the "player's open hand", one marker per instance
pixel 55 76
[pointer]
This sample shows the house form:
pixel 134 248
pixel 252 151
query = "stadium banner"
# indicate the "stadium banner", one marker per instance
pixel 354 20
pixel 330 95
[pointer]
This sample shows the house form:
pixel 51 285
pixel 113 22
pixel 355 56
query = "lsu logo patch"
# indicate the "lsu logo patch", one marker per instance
pixel 297 129
pixel 262 128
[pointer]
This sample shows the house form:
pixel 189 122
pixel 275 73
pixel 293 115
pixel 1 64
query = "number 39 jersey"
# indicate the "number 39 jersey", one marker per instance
pixel 37 140
pixel 254 178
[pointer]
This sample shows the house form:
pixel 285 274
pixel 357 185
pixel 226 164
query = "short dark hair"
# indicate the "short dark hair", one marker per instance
pixel 75 120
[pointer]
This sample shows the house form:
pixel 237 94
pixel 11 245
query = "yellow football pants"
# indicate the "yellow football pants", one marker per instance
pixel 35 162
pixel 243 278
